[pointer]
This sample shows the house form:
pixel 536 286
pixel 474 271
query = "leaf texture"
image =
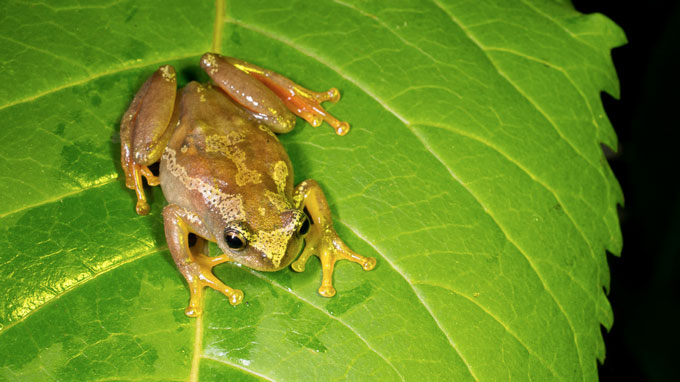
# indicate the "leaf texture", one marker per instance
pixel 473 173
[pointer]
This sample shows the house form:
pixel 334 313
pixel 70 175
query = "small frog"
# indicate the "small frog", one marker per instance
pixel 226 176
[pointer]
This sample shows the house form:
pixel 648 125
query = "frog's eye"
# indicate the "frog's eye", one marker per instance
pixel 304 227
pixel 235 239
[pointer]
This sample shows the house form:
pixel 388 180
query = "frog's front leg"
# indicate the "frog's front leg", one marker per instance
pixel 322 240
pixel 145 130
pixel 193 262
pixel 270 96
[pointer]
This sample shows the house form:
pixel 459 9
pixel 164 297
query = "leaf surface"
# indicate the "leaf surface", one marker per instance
pixel 473 173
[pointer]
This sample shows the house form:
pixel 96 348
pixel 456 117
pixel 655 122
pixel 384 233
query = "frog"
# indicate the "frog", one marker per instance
pixel 226 176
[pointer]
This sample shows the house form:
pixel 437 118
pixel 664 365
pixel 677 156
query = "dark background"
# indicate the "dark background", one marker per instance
pixel 643 343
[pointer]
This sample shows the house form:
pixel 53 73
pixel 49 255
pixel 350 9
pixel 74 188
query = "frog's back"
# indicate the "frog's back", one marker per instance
pixel 218 143
pixel 205 111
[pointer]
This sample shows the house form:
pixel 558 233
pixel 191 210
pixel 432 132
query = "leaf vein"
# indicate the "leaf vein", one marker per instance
pixel 511 241
pixel 45 52
pixel 493 316
pixel 562 70
pixel 538 181
pixel 237 366
pixel 408 43
pixel 90 78
pixel 82 282
pixel 519 90
pixel 418 296
pixel 552 19
pixel 59 197
pixel 342 322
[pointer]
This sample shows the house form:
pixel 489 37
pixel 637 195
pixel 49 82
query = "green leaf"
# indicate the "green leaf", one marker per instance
pixel 473 173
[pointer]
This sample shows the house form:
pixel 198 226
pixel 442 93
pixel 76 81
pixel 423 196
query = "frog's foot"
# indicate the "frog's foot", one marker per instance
pixel 199 275
pixel 192 261
pixel 133 181
pixel 327 245
pixel 303 102
pixel 322 240
pixel 299 100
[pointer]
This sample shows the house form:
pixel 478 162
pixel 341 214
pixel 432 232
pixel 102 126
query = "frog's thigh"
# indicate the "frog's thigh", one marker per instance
pixel 249 92
pixel 195 267
pixel 144 131
pixel 145 126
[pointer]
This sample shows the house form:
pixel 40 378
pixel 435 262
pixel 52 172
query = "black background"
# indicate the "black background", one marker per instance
pixel 643 344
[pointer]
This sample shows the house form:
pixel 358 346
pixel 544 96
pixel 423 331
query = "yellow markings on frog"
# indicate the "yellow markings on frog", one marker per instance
pixel 298 198
pixel 279 172
pixel 226 145
pixel 248 69
pixel 211 63
pixel 165 73
pixel 267 130
pixel 278 201
pixel 228 206
pixel 201 92
pixel 275 243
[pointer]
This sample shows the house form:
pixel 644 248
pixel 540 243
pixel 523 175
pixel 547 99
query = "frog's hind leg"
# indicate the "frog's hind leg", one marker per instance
pixel 145 130
pixel 193 262
pixel 270 95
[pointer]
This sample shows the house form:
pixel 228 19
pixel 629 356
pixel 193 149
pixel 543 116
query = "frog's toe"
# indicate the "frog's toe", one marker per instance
pixel 236 297
pixel 193 311
pixel 199 275
pixel 369 263
pixel 298 266
pixel 328 246
pixel 331 95
pixel 327 291
pixel 151 179
pixel 142 207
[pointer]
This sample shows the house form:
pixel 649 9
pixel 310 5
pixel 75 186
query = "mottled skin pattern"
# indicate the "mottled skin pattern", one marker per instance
pixel 225 175
pixel 208 115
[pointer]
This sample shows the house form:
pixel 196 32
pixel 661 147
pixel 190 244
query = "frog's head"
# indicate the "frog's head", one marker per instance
pixel 267 244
